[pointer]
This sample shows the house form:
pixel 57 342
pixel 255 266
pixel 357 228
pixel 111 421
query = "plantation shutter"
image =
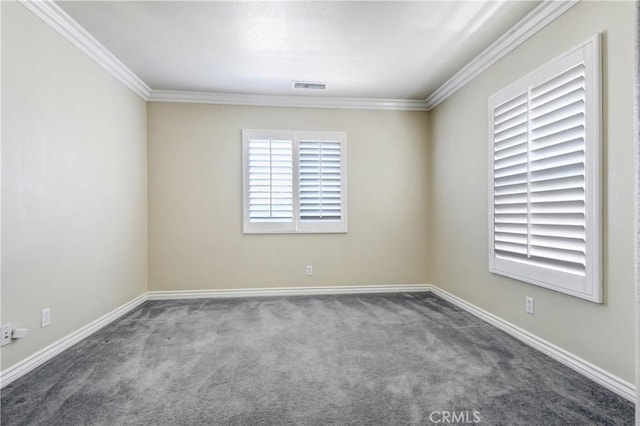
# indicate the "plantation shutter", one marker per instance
pixel 545 176
pixel 294 181
pixel 511 178
pixel 557 171
pixel 320 180
pixel 270 172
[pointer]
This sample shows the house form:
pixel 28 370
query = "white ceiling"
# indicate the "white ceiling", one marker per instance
pixel 395 50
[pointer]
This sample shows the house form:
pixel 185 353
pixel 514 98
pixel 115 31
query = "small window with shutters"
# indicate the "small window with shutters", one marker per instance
pixel 294 182
pixel 544 191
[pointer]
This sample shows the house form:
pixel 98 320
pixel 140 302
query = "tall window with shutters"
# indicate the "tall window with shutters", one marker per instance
pixel 294 182
pixel 544 191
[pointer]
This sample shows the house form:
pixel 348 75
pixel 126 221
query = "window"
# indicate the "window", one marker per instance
pixel 294 181
pixel 544 192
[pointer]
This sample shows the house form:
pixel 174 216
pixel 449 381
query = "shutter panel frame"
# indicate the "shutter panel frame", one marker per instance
pixel 332 186
pixel 272 164
pixel 564 108
pixel 266 172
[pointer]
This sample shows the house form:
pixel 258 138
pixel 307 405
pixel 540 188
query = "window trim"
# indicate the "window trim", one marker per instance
pixel 588 287
pixel 297 226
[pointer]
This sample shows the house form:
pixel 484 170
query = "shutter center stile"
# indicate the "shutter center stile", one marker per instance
pixel 529 173
pixel 270 177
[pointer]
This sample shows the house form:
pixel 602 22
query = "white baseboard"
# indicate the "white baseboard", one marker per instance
pixel 613 383
pixel 285 291
pixel 619 386
pixel 37 359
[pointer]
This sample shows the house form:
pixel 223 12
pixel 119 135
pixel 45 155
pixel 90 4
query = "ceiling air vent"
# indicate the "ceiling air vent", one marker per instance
pixel 309 85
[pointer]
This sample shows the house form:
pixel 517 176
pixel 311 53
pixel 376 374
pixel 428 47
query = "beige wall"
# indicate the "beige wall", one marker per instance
pixel 74 196
pixel 76 146
pixel 602 334
pixel 195 201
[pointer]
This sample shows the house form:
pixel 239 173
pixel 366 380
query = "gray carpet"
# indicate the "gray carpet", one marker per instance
pixel 349 360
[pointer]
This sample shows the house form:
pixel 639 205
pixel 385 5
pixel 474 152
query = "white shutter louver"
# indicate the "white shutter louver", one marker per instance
pixel 557 167
pixel 270 180
pixel 510 172
pixel 320 180
pixel 544 187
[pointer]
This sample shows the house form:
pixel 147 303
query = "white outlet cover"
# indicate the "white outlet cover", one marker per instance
pixel 45 317
pixel 5 334
pixel 529 305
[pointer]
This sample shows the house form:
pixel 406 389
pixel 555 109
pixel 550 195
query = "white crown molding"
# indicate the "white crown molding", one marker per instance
pixel 608 380
pixel 287 291
pixel 35 360
pixel 286 101
pixel 60 21
pixel 535 21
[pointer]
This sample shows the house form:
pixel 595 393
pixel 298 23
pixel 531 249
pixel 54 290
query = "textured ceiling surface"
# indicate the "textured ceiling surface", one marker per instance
pixel 397 50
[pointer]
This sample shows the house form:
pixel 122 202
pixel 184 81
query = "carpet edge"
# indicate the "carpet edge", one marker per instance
pixel 597 374
pixel 602 377
pixel 33 361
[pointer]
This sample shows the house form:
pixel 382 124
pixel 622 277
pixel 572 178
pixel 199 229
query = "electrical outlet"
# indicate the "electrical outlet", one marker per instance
pixel 45 317
pixel 308 270
pixel 528 305
pixel 5 334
